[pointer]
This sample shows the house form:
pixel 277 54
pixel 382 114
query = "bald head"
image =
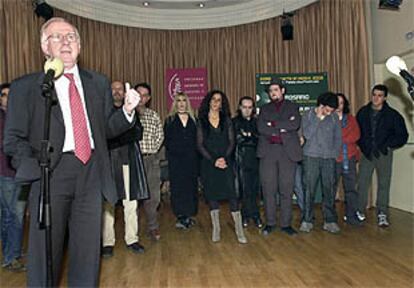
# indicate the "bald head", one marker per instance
pixel 118 93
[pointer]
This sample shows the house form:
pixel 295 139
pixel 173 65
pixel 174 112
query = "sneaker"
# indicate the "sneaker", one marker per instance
pixel 354 221
pixel 190 222
pixel 136 248
pixel 382 220
pixel 361 216
pixel 258 222
pixel 306 227
pixel 245 222
pixel 181 224
pixel 268 229
pixel 15 266
pixel 289 230
pixel 331 227
pixel 154 234
pixel 107 251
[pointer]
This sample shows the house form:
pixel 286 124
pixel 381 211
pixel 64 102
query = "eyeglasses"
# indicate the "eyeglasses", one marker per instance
pixel 58 38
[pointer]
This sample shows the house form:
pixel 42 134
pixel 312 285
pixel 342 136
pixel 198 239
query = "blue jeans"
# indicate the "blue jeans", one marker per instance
pixel 298 188
pixel 12 211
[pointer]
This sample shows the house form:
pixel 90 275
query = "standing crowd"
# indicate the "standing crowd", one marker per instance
pixel 242 160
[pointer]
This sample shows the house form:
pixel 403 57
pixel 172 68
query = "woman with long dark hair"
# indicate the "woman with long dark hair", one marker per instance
pixel 181 147
pixel 216 143
pixel 346 163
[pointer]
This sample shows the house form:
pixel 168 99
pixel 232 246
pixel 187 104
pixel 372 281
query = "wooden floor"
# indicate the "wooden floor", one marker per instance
pixel 359 257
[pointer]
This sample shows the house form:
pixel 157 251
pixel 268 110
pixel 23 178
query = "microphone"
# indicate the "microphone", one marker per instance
pixel 407 77
pixel 53 69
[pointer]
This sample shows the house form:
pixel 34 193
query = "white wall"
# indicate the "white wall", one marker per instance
pixel 389 37
pixel 389 30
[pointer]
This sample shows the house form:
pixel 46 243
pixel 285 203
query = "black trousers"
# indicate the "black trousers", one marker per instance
pixel 249 190
pixel 76 208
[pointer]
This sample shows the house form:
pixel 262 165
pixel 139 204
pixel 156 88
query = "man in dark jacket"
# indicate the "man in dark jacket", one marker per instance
pixel 382 131
pixel 279 151
pixel 122 150
pixel 79 128
pixel 247 163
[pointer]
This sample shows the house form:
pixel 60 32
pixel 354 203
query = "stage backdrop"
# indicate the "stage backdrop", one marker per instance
pixel 329 36
pixel 192 81
pixel 301 88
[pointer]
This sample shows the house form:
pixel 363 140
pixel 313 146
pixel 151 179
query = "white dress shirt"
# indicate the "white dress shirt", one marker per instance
pixel 62 91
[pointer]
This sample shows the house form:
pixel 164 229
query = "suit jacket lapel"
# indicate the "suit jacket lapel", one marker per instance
pixel 89 92
pixel 56 109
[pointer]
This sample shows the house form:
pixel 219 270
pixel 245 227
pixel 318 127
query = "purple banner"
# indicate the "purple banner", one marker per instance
pixel 192 81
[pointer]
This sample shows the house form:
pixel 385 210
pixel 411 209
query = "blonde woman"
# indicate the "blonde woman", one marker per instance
pixel 180 142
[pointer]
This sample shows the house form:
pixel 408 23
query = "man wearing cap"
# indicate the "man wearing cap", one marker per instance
pixel 279 150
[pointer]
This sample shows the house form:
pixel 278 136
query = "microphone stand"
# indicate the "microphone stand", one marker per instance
pixel 409 78
pixel 44 217
pixel 411 92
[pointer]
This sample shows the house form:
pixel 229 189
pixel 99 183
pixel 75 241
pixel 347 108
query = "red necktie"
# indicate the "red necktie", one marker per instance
pixel 80 129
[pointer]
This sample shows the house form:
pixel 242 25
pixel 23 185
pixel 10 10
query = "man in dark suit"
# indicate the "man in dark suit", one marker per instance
pixel 279 150
pixel 80 125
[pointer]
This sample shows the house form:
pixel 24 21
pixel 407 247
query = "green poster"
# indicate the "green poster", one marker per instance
pixel 301 88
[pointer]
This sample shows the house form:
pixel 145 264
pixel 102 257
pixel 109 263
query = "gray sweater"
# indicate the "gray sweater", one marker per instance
pixel 323 137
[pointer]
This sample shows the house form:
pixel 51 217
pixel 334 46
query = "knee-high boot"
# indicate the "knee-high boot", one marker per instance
pixel 239 227
pixel 215 220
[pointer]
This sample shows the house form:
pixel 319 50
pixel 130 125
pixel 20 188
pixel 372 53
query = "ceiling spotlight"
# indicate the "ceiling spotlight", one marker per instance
pixel 201 5
pixel 42 9
pixel 146 4
pixel 390 4
pixel 287 26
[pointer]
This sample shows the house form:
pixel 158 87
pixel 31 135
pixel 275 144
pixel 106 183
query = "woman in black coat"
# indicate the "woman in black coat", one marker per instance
pixel 181 150
pixel 216 142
